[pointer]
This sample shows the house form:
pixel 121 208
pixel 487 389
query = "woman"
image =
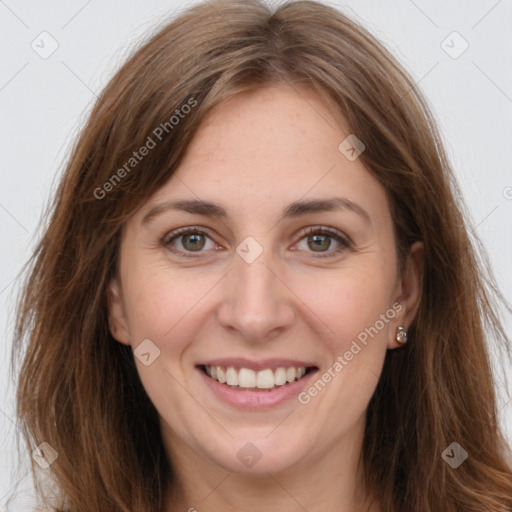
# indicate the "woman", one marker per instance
pixel 257 289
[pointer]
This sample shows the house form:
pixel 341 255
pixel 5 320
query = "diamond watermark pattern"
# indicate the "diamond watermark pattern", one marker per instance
pixel 249 455
pixel 146 352
pixel 249 250
pixel 351 147
pixel 454 45
pixel 45 455
pixel 455 455
pixel 44 45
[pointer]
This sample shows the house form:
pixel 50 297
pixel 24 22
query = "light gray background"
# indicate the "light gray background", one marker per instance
pixel 44 101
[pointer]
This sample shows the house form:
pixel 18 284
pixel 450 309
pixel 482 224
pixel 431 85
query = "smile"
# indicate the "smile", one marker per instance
pixel 248 384
pixel 247 379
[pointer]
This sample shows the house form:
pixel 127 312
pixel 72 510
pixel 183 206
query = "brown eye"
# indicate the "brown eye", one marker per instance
pixel 186 241
pixel 319 242
pixel 193 242
pixel 323 242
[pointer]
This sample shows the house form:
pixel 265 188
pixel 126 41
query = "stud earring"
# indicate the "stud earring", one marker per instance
pixel 401 335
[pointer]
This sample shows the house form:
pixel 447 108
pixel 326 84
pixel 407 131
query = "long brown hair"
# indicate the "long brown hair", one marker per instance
pixel 79 390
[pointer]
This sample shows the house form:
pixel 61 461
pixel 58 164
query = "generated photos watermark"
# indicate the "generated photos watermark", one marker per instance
pixel 344 359
pixel 157 135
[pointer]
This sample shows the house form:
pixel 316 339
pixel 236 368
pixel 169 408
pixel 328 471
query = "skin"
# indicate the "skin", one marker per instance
pixel 254 155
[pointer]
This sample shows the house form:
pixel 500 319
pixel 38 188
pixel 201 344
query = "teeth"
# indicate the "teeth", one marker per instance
pixel 247 378
pixel 231 377
pixel 280 376
pixel 291 373
pixel 221 375
pixel 265 379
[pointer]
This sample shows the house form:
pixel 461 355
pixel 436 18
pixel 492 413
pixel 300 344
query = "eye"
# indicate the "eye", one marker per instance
pixel 321 240
pixel 188 240
pixel 194 239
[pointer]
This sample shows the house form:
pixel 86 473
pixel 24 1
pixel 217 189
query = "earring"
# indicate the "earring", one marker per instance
pixel 401 335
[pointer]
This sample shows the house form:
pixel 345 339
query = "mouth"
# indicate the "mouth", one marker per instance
pixel 256 379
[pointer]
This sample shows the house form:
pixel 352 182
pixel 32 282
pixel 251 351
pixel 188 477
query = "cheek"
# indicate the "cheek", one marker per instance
pixel 350 301
pixel 356 307
pixel 163 304
pixel 153 297
pixel 167 308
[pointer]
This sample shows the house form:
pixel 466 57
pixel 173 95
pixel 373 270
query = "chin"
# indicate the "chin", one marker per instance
pixel 260 455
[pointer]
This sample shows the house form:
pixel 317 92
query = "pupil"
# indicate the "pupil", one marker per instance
pixel 319 242
pixel 193 242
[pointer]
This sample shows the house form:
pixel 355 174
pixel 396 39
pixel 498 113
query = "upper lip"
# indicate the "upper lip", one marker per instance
pixel 256 365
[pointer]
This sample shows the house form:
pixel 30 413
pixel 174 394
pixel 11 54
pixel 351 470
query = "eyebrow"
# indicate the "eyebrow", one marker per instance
pixel 293 210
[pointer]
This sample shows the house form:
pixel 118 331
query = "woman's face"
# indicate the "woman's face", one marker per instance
pixel 284 262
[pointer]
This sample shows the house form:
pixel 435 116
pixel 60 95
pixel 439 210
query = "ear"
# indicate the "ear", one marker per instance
pixel 117 322
pixel 409 290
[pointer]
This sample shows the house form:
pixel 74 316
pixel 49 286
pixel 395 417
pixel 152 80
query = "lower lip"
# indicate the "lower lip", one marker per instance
pixel 256 399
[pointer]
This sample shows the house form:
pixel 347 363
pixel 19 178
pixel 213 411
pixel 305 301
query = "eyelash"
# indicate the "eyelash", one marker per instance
pixel 345 242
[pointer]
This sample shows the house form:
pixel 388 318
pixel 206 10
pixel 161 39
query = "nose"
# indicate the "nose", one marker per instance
pixel 256 303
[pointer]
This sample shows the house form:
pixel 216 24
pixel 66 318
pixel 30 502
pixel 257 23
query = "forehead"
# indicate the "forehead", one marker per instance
pixel 274 123
pixel 272 146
